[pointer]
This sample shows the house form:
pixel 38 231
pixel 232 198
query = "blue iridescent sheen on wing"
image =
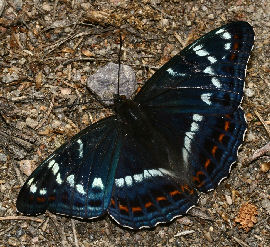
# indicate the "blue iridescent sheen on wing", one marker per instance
pixel 77 179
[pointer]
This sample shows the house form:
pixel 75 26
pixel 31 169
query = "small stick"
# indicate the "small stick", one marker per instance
pixel 74 233
pixel 259 153
pixel 263 122
pixel 21 218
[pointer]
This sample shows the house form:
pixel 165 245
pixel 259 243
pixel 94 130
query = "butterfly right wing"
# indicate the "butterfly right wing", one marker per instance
pixel 195 99
pixel 77 179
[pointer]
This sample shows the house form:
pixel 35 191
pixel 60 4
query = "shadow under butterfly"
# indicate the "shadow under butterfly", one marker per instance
pixel 145 164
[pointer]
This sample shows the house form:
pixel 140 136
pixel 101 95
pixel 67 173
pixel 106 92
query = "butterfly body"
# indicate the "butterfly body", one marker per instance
pixel 145 164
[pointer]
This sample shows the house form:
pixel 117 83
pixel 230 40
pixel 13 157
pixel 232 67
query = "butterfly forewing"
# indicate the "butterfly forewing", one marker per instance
pixel 77 178
pixel 207 76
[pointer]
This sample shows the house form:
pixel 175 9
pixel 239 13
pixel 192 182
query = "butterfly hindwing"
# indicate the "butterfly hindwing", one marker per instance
pixel 77 179
pixel 215 149
pixel 146 192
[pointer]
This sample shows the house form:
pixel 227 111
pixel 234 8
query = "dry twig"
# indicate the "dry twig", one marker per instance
pixel 20 217
pixel 263 122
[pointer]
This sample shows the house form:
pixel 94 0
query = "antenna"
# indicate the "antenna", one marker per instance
pixel 119 63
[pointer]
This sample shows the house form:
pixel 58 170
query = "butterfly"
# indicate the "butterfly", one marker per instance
pixel 146 164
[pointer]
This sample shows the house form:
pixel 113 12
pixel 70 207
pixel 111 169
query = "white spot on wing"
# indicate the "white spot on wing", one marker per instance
pixel 197 117
pixel 80 189
pixel 138 178
pixel 187 140
pixel 194 127
pixel 80 148
pixel 226 35
pixel 220 31
pixel 33 188
pixel 97 183
pixel 209 70
pixel 58 179
pixel 155 173
pixel 216 82
pixel 202 53
pixel 70 180
pixel 198 47
pixel 189 136
pixel 185 155
pixel 43 192
pixel 174 73
pixel 30 181
pixel 206 98
pixel 227 46
pixel 119 182
pixel 51 163
pixel 55 168
pixel 211 59
pixel 146 174
pixel 164 171
pixel 128 180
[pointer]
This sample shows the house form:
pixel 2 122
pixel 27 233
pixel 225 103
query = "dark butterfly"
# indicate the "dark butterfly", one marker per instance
pixel 145 164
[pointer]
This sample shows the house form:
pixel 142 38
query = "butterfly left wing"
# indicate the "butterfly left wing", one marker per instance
pixel 77 179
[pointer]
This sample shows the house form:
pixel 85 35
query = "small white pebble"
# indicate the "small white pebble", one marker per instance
pixel 228 199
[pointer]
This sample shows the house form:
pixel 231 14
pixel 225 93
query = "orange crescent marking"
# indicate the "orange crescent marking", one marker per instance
pixel 221 137
pixel 161 198
pixel 200 185
pixel 227 125
pixel 175 192
pixel 41 199
pixel 148 204
pixel 121 207
pixel 186 187
pixel 112 202
pixel 207 163
pixel 195 178
pixel 214 149
pixel 136 209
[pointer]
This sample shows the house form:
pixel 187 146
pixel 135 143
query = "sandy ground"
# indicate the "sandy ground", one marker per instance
pixel 48 50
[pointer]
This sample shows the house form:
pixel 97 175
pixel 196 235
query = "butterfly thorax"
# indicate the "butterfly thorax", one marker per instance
pixel 131 115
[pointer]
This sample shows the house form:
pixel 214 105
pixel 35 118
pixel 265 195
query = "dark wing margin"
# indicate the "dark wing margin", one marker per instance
pixel 77 179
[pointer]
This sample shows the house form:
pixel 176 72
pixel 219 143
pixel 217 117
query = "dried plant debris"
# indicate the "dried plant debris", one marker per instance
pixel 247 216
pixel 2 6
